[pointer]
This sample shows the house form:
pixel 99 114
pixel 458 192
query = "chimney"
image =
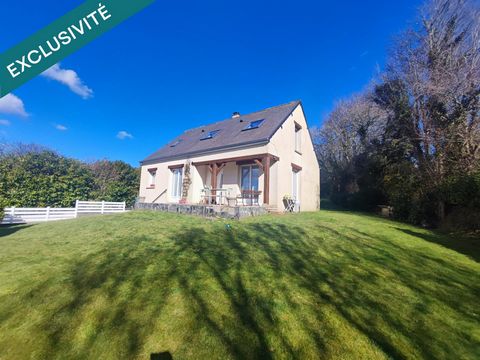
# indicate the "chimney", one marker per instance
pixel 235 115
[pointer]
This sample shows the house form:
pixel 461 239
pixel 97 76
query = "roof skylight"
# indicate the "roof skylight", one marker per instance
pixel 209 135
pixel 176 142
pixel 254 124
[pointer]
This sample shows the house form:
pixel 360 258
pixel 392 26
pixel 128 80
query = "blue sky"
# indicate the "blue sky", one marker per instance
pixel 181 64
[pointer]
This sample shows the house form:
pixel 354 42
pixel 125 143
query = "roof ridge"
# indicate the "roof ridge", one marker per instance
pixel 250 113
pixel 274 107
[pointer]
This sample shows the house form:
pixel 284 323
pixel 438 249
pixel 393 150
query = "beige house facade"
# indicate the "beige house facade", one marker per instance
pixel 262 158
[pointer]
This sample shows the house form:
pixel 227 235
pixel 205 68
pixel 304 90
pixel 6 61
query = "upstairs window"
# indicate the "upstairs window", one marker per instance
pixel 298 138
pixel 254 124
pixel 210 135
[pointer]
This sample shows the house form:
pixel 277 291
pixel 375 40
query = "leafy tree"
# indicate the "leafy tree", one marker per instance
pixel 414 138
pixel 344 146
pixel 431 90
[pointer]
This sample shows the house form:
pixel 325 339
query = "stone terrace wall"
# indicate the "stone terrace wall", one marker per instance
pixel 228 212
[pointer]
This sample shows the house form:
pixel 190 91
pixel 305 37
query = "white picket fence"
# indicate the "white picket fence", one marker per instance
pixel 99 207
pixel 15 215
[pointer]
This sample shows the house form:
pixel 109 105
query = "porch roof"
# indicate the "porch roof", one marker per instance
pixel 253 158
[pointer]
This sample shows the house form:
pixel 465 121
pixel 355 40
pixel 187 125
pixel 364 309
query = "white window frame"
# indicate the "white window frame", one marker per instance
pixel 250 172
pixel 298 138
pixel 295 176
pixel 152 175
pixel 176 184
pixel 296 188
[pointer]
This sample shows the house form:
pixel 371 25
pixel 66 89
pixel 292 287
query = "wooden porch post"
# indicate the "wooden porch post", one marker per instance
pixel 214 178
pixel 266 179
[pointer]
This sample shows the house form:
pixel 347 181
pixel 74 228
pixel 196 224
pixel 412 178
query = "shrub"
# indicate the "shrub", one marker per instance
pixel 45 178
pixel 2 206
pixel 462 219
pixel 32 176
pixel 115 181
pixel 462 196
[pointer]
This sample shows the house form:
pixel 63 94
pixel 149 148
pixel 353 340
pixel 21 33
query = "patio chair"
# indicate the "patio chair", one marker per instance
pixel 231 199
pixel 289 205
pixel 256 198
pixel 207 194
pixel 240 198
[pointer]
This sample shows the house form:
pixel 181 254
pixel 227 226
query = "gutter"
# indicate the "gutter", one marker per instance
pixel 204 152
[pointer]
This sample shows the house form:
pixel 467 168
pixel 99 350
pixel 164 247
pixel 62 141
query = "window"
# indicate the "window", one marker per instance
pixel 254 124
pixel 152 173
pixel 249 177
pixel 177 184
pixel 175 143
pixel 295 184
pixel 298 138
pixel 209 135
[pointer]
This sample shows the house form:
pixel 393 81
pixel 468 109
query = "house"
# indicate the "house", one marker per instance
pixel 260 159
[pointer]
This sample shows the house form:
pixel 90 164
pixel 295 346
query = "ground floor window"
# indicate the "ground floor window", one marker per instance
pixel 152 173
pixel 177 183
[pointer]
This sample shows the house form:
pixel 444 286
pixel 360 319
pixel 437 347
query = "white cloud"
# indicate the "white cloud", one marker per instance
pixel 122 135
pixel 61 127
pixel 4 122
pixel 70 79
pixel 11 104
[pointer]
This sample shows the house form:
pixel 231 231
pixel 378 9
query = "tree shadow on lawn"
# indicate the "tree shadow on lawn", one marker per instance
pixel 103 293
pixel 467 245
pixel 366 300
pixel 246 287
pixel 6 230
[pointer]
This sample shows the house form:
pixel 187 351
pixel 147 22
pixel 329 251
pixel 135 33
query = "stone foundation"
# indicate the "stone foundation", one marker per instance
pixel 227 212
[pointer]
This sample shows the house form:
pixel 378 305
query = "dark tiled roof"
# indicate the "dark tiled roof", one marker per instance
pixel 229 136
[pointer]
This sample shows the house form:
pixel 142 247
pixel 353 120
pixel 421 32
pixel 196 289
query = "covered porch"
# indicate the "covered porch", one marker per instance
pixel 235 181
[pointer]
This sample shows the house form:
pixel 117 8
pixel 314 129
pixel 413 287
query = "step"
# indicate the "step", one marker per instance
pixel 272 209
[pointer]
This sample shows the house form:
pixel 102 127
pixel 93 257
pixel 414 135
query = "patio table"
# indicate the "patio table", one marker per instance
pixel 252 195
pixel 220 194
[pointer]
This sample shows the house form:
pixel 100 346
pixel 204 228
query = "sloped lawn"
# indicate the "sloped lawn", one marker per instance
pixel 326 285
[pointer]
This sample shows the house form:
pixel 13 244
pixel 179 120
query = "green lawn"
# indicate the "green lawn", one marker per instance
pixel 327 285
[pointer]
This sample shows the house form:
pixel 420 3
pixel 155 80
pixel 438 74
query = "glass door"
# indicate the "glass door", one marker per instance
pixel 249 180
pixel 176 185
pixel 296 188
pixel 250 175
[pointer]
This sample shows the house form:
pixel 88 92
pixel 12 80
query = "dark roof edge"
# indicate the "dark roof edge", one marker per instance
pixel 249 114
pixel 199 153
pixel 299 102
